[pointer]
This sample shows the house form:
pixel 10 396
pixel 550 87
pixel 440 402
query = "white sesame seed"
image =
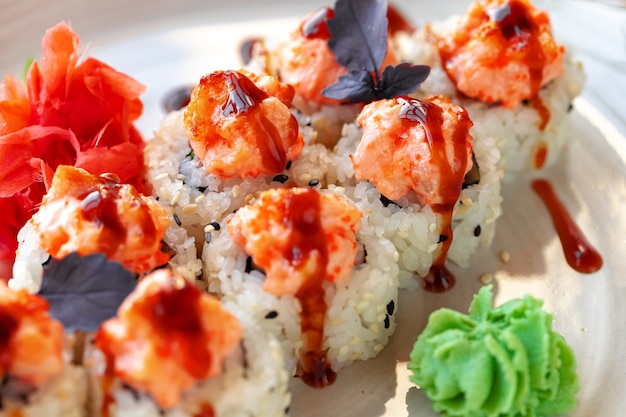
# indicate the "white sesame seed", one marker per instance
pixel 486 278
pixel 190 208
pixel 505 257
pixel 176 197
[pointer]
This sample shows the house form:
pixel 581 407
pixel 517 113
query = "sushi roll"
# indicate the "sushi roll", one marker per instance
pixel 309 267
pixel 174 350
pixel 501 61
pixel 89 214
pixel 37 376
pixel 428 185
pixel 207 159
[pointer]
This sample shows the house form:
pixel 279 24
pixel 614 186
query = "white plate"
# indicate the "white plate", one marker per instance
pixel 166 44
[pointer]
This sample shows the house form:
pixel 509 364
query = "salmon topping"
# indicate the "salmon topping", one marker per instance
pixel 408 145
pixel 237 129
pixel 502 51
pixel 282 245
pixel 31 343
pixel 168 335
pixel 89 214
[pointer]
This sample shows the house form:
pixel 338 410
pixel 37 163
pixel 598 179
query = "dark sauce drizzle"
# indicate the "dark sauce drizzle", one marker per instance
pixel 579 254
pixel 430 117
pixel 302 216
pixel 99 206
pixel 515 22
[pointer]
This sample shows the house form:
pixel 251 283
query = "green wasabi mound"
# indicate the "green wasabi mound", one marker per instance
pixel 504 361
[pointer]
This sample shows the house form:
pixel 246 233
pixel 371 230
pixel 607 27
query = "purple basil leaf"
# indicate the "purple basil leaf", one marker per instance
pixel 359 34
pixel 356 87
pixel 84 291
pixel 401 80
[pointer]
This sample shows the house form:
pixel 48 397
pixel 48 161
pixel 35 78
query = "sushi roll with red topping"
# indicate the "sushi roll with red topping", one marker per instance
pixel 310 268
pixel 502 62
pixel 37 376
pixel 174 350
pixel 90 214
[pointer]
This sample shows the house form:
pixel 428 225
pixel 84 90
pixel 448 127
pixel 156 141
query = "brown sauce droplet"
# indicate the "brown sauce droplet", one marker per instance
pixel 206 410
pixel 579 254
pixel 439 279
pixel 242 94
pixel 430 116
pixel 302 216
pixel 542 111
pixel 541 155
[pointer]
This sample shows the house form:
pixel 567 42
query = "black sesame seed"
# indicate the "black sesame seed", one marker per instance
pixel 387 322
pixel 385 200
pixel 249 264
pixel 207 237
pixel 288 166
pixel 177 220
pixel 287 410
pixel 526 102
pixel 442 238
pixel 202 189
pixel 314 182
pixel 281 178
pixel 244 354
pixel 216 225
pixel 272 314
pixel 570 108
pixel 391 307
pixel 477 231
